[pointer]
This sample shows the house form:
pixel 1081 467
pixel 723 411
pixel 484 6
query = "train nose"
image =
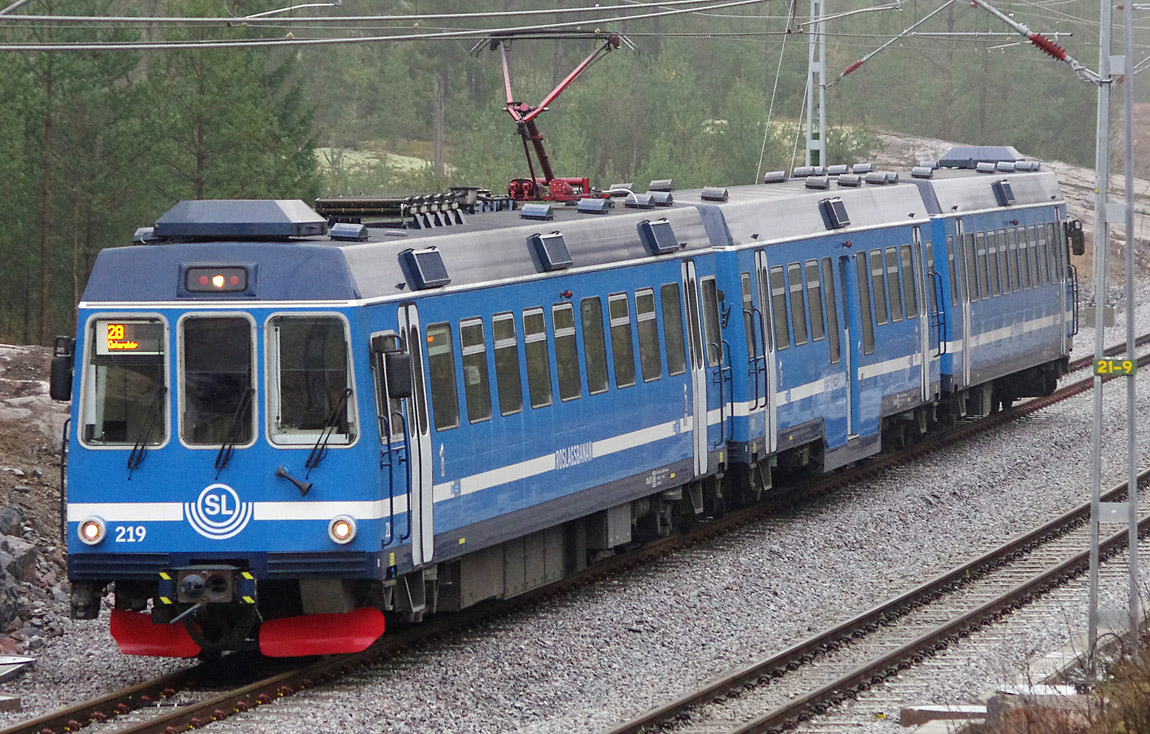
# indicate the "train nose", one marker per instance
pixel 192 587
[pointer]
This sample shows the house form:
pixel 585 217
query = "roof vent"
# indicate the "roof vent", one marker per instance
pixel 658 236
pixel 239 219
pixel 595 206
pixel 804 171
pixel 536 211
pixel 838 170
pixel 818 182
pixel 427 268
pixel 929 163
pixel 850 180
pixel 620 189
pixel 662 198
pixel 662 184
pixel 922 172
pixel 862 168
pixel 714 193
pixel 775 177
pixel 985 167
pixel 552 250
pixel 1005 166
pixel 892 177
pixel 1027 166
pixel 876 178
pixel 349 232
pixel 1003 192
pixel 835 213
pixel 639 201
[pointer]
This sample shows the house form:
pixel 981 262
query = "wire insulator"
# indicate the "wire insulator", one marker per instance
pixel 852 67
pixel 1047 46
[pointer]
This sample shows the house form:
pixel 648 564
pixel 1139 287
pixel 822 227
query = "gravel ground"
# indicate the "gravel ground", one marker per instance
pixel 604 653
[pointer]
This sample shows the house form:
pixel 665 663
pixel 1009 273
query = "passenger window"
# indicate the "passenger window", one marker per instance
pixel 908 281
pixel 594 344
pixel 672 329
pixel 621 346
pixel 864 279
pixel 892 284
pixel 798 309
pixel 311 391
pixel 566 351
pixel 648 327
pixel 953 270
pixel 125 388
pixel 971 284
pixel 983 271
pixel 1023 258
pixel 992 262
pixel 832 309
pixel 876 270
pixel 779 306
pixel 749 316
pixel 1057 247
pixel 710 306
pixel 814 300
pixel 441 369
pixel 508 382
pixel 1010 248
pixel 1032 246
pixel 476 386
pixel 1043 255
pixel 218 381
pixel 538 362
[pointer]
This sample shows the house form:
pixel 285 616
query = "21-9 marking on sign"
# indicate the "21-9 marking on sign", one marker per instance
pixel 1120 367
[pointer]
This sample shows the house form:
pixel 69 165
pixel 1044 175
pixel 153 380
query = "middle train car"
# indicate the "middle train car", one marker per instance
pixel 432 416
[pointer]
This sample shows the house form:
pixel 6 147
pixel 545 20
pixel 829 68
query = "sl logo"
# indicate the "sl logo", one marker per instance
pixel 218 513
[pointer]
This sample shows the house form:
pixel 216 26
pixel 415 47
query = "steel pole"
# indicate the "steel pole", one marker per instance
pixel 1131 436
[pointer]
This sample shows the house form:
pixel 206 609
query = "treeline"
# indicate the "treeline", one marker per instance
pixel 95 144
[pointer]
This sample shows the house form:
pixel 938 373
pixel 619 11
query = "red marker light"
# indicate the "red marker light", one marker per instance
pixel 204 280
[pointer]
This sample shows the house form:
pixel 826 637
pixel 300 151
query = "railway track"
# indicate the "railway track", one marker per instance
pixel 194 697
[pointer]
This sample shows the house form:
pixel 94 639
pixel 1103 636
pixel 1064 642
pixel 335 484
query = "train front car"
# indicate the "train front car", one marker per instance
pixel 216 431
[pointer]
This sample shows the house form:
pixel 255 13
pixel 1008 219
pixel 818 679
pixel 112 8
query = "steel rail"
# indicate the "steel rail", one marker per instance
pixel 76 717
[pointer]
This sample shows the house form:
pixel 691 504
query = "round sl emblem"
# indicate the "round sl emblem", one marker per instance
pixel 218 513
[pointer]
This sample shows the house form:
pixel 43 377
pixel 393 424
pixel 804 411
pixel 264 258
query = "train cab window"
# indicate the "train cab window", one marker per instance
pixel 952 262
pixel 832 309
pixel 441 375
pixel 892 284
pixel 538 361
pixel 673 329
pixel 710 309
pixel 508 382
pixel 749 334
pixel 125 383
pixel 992 268
pixel 908 280
pixel 594 345
pixel 217 381
pixel 566 351
pixel 779 307
pixel 864 279
pixel 310 373
pixel 622 348
pixel 389 409
pixel 930 281
pixel 476 386
pixel 1057 245
pixel 814 300
pixel 876 271
pixel 648 327
pixel 971 283
pixel 798 308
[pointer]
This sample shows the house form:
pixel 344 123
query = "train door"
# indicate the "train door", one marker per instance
pixel 768 402
pixel 698 367
pixel 421 499
pixel 1059 252
pixel 850 295
pixel 966 251
pixel 393 453
pixel 920 285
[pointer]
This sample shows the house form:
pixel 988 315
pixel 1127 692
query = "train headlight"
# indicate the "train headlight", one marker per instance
pixel 92 531
pixel 342 529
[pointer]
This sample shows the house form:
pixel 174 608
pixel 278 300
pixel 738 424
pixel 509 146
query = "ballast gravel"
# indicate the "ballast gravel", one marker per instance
pixel 607 652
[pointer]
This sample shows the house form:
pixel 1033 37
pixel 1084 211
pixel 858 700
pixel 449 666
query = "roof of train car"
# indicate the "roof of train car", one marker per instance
pixel 962 190
pixel 486 247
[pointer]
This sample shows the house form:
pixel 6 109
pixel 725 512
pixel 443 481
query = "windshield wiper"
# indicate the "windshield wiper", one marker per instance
pixel 141 447
pixel 229 444
pixel 320 449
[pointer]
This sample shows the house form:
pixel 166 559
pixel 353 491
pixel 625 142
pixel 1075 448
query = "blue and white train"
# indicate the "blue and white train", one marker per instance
pixel 286 423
